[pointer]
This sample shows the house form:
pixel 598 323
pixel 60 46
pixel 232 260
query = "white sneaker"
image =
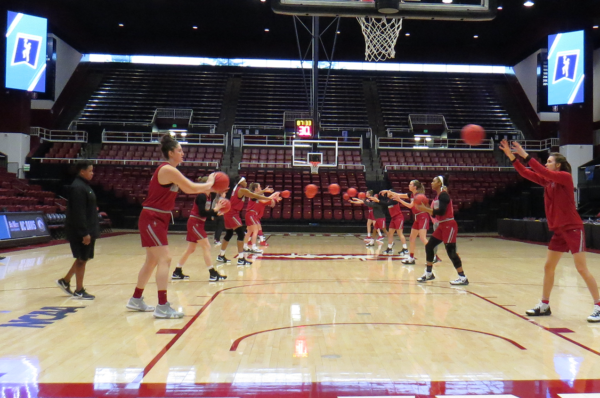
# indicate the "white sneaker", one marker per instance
pixel 166 312
pixel 138 304
pixel 217 243
pixel 595 317
pixel 256 250
pixel 246 248
pixel 461 280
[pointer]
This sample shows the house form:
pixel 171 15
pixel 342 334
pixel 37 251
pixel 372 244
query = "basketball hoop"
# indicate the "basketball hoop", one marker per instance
pixel 314 167
pixel 381 35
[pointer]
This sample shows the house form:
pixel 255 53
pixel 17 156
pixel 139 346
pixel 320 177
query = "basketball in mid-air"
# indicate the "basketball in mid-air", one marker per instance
pixel 221 183
pixel 285 194
pixel 311 191
pixel 352 192
pixel 346 196
pixel 362 195
pixel 472 134
pixel 334 189
pixel 225 205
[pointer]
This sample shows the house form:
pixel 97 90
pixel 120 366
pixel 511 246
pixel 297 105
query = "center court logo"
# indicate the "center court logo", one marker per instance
pixel 566 66
pixel 27 50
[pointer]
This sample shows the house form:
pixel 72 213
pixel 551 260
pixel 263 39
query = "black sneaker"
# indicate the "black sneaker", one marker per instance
pixel 388 252
pixel 64 286
pixel 426 278
pixel 403 252
pixel 539 310
pixel 178 275
pixel 242 262
pixel 223 259
pixel 83 295
pixel 215 276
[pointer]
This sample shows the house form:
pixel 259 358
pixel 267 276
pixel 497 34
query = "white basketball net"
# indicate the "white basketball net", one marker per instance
pixel 381 35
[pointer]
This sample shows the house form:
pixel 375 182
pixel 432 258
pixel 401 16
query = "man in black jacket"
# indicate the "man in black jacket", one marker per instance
pixel 82 228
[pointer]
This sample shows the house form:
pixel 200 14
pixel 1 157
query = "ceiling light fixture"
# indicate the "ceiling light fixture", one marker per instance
pixel 595 26
pixel 338 32
pixel 194 27
pixel 121 25
pixel 500 8
pixel 476 36
pixel 407 34
pixel 528 3
pixel 266 29
pixel 446 1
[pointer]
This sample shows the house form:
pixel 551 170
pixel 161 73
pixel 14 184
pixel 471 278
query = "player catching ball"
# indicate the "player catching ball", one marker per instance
pixel 196 235
pixel 563 219
pixel 446 233
pixel 421 223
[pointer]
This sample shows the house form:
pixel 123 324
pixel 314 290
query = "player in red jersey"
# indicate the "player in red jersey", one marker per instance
pixel 397 221
pixel 196 235
pixel 421 223
pixel 154 224
pixel 254 213
pixel 371 221
pixel 563 219
pixel 446 232
pixel 233 221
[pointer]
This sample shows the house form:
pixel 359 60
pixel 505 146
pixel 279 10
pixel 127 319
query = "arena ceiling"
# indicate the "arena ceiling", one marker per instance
pixel 236 29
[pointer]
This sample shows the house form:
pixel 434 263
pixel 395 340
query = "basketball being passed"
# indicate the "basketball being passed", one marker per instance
pixel 472 134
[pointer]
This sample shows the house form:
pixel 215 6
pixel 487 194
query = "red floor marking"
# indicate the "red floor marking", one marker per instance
pixel 237 341
pixel 560 330
pixel 228 294
pixel 168 331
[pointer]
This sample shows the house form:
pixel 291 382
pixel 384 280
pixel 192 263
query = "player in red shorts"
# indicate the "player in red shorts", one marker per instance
pixel 371 220
pixel 375 208
pixel 254 212
pixel 421 223
pixel 446 233
pixel 154 224
pixel 233 221
pixel 196 235
pixel 563 219
pixel 397 221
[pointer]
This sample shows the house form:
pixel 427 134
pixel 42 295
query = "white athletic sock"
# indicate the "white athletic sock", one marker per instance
pixel 241 255
pixel 222 252
pixel 210 267
pixel 369 235
pixel 379 232
pixel 404 246
pixel 179 266
pixel 390 245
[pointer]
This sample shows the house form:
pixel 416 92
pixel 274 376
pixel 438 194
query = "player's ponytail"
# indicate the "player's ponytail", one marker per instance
pixel 562 160
pixel 419 186
pixel 167 144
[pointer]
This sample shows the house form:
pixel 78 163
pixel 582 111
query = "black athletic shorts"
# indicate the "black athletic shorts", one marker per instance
pixel 80 251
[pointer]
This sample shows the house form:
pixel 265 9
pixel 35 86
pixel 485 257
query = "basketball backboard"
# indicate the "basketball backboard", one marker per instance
pixel 457 10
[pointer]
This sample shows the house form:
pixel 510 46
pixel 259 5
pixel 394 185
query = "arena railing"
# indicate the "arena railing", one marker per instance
pixel 173 113
pixel 407 133
pixel 59 135
pixel 432 144
pixel 286 141
pixel 368 132
pixel 268 165
pixel 125 162
pixel 75 123
pixel 539 145
pixel 210 128
pixel 409 167
pixel 187 138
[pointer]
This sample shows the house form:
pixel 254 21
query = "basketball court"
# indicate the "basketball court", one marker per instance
pixel 316 315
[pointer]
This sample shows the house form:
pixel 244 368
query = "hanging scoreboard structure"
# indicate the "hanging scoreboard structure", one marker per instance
pixel 305 128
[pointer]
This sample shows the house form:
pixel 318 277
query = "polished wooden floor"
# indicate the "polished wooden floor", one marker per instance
pixel 318 316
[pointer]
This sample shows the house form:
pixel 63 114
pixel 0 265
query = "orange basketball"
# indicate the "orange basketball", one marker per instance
pixel 362 195
pixel 472 134
pixel 352 192
pixel 311 190
pixel 346 196
pixel 285 194
pixel 334 189
pixel 421 199
pixel 221 182
pixel 225 205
